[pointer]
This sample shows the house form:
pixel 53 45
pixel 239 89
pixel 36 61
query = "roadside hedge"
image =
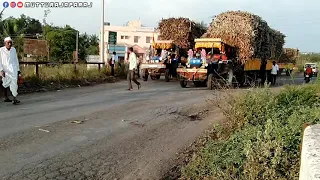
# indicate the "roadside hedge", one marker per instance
pixel 261 137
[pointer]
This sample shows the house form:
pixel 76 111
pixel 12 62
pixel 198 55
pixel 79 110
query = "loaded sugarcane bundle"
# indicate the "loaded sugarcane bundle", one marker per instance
pixel 182 31
pixel 291 52
pixel 289 55
pixel 249 33
pixel 278 43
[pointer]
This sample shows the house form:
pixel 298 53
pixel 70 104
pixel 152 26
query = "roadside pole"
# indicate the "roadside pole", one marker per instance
pixel 77 52
pixel 102 50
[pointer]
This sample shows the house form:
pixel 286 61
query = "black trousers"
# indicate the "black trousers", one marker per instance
pixel 273 79
pixel 131 77
pixel 174 69
pixel 263 77
pixel 112 69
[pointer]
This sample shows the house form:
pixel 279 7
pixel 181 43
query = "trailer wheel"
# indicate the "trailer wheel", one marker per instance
pixel 210 82
pixel 167 75
pixel 183 83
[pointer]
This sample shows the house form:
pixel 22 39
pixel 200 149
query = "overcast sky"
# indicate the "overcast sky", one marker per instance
pixel 298 20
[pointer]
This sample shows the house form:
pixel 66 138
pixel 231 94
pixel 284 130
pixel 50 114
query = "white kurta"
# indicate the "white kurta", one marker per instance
pixel 132 61
pixel 9 63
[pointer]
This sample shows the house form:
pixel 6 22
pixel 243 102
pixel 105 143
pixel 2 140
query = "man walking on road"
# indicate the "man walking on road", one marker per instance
pixel 113 62
pixel 274 72
pixel 9 68
pixel 132 68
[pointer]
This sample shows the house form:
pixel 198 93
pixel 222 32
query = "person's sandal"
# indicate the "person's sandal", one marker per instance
pixel 16 102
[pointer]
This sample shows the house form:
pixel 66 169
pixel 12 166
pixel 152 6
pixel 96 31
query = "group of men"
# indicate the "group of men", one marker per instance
pixel 171 63
pixel 10 71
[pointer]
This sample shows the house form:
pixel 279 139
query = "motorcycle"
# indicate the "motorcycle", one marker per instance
pixel 307 78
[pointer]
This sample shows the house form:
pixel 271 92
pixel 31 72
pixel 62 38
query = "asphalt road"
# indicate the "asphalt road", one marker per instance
pixel 124 135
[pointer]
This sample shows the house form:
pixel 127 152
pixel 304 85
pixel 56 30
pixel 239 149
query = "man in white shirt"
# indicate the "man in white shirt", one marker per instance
pixel 132 68
pixel 113 62
pixel 10 71
pixel 274 72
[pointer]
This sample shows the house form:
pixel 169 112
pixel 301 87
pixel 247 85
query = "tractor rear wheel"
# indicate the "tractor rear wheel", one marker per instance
pixel 210 82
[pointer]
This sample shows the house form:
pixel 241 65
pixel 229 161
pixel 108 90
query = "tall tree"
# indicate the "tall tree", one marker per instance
pixel 93 49
pixel 62 43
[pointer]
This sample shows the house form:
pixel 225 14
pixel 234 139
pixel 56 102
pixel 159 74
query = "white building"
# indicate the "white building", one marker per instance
pixel 133 34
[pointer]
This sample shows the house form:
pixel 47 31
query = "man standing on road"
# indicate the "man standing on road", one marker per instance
pixel 113 62
pixel 9 68
pixel 132 68
pixel 274 72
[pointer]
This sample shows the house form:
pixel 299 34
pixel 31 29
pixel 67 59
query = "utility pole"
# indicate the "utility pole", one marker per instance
pixel 77 46
pixel 77 52
pixel 102 50
pixel 46 12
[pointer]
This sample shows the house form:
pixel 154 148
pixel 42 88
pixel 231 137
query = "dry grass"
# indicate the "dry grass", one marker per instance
pixel 60 76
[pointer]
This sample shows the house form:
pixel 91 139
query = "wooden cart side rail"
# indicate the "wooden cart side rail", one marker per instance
pixel 152 65
pixel 186 70
pixel 286 65
pixel 254 65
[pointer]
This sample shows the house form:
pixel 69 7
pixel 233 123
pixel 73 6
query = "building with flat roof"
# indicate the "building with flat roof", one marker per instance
pixel 132 34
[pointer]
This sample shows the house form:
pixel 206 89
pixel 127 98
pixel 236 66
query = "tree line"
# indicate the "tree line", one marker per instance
pixel 61 40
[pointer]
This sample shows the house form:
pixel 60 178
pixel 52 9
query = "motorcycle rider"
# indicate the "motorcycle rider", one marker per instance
pixel 308 71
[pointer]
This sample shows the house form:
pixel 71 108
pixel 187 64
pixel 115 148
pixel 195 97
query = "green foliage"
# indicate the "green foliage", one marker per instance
pixel 308 58
pixel 62 43
pixel 62 40
pixel 262 137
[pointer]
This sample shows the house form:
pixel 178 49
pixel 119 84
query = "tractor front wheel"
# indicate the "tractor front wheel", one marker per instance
pixel 183 83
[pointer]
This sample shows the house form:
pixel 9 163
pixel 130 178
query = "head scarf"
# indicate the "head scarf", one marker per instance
pixel 7 39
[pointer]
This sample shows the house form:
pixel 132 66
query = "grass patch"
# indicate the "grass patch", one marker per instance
pixel 261 138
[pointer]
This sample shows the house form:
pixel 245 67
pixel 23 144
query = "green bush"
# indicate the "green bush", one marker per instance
pixel 261 138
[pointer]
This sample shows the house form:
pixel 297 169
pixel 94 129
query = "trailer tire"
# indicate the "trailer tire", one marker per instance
pixel 183 83
pixel 210 82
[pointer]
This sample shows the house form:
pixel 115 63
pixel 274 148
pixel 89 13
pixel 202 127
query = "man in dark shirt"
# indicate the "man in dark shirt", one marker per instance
pixel 168 63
